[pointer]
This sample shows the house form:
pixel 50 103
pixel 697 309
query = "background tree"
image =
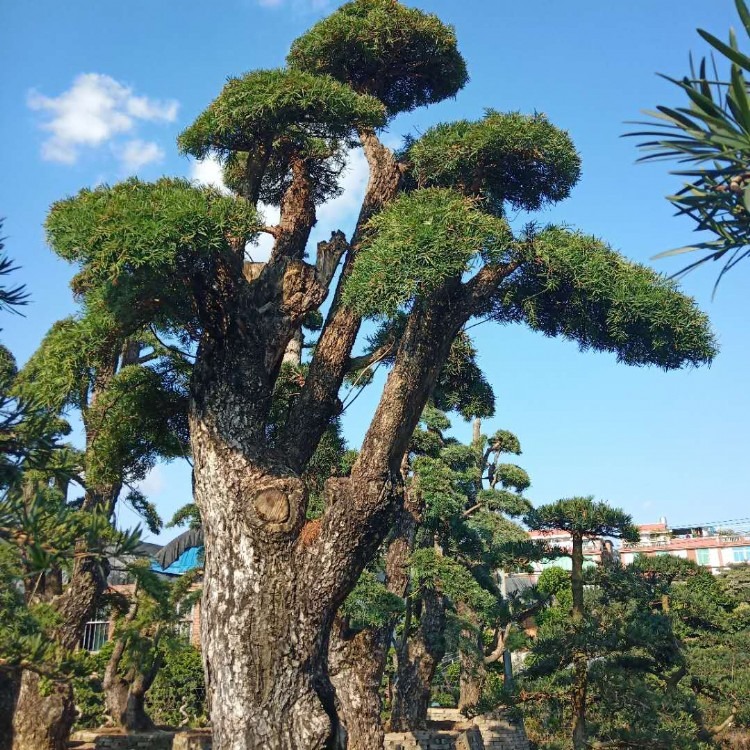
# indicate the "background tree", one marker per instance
pixel 583 519
pixel 130 392
pixel 146 630
pixel 431 251
pixel 439 565
pixel 40 540
pixel 665 652
pixel 635 665
pixel 710 136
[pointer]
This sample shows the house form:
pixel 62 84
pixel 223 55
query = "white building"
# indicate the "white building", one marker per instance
pixel 705 545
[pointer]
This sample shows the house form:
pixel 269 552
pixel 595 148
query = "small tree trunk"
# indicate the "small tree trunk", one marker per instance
pixel 356 662
pixel 578 700
pixel 125 701
pixel 44 714
pixel 580 663
pixel 473 671
pixel 417 662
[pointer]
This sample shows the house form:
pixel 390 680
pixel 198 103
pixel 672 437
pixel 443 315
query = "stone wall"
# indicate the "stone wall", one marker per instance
pixel 192 739
pixel 452 731
pixel 448 730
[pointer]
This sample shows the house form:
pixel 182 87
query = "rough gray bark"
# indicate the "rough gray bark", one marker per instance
pixel 417 661
pixel 356 665
pixel 45 716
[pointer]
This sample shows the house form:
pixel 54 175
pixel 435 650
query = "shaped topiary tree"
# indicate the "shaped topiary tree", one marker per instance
pixel 582 518
pixel 430 251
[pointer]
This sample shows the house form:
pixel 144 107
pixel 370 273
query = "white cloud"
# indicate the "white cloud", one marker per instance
pixel 93 111
pixel 336 214
pixel 136 154
pixel 154 483
pixel 208 171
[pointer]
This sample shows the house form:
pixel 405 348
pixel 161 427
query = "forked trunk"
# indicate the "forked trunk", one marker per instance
pixel 417 663
pixel 44 714
pixel 126 706
pixel 125 697
pixel 356 666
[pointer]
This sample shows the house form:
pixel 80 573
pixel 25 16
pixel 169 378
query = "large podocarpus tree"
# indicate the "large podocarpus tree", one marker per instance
pixel 431 250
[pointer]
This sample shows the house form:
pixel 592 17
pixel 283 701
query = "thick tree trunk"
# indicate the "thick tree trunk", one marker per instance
pixel 44 714
pixel 417 662
pixel 356 663
pixel 126 706
pixel 264 635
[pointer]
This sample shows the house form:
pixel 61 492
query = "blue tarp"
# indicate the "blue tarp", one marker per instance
pixel 189 560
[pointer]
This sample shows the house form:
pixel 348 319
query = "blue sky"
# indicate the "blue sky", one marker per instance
pixel 94 92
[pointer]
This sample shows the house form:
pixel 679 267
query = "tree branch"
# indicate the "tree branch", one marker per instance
pixel 317 404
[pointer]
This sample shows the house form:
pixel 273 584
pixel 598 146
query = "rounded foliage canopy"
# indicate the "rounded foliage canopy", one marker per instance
pixel 523 160
pixel 263 105
pixel 403 56
pixel 582 515
pixel 142 246
pixel 416 243
pixel 574 285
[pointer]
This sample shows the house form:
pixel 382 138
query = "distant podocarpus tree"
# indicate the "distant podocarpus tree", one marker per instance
pixel 431 250
pixel 583 519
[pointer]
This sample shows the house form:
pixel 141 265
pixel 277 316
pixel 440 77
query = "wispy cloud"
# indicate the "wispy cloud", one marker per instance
pixel 208 171
pixel 94 111
pixel 136 154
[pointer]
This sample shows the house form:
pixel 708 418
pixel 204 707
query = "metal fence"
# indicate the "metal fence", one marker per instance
pixel 95 635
